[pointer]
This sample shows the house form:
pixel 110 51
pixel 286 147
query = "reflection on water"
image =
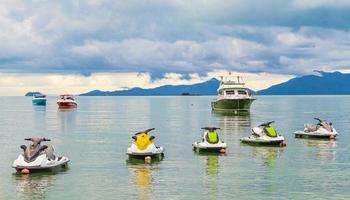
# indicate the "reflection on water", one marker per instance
pixel 67 109
pixel 66 118
pixel 212 166
pixel 232 121
pixel 268 155
pixel 33 186
pixel 39 116
pixel 39 108
pixel 142 180
pixel 325 149
pixel 211 161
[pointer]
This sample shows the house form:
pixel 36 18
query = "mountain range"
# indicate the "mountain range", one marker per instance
pixel 323 83
pixel 30 94
pixel 206 88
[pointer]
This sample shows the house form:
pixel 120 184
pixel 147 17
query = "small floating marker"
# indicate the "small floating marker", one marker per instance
pixel 25 171
pixel 332 137
pixel 222 150
pixel 148 159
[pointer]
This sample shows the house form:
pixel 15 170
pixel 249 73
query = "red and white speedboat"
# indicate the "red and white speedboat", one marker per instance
pixel 66 101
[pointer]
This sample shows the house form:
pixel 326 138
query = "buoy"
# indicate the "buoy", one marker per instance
pixel 222 150
pixel 148 159
pixel 25 171
pixel 332 137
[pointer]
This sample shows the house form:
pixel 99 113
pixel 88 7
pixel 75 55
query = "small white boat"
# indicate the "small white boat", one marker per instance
pixel 39 100
pixel 66 101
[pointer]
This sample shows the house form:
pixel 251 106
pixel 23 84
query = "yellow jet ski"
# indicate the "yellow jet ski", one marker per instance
pixel 143 146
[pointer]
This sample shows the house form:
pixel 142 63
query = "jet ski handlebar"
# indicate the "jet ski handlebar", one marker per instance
pixel 145 131
pixel 210 128
pixel 267 123
pixel 37 139
pixel 318 119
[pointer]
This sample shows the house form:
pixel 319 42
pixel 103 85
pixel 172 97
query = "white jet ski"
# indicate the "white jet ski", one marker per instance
pixel 264 134
pixel 210 141
pixel 38 157
pixel 144 146
pixel 322 129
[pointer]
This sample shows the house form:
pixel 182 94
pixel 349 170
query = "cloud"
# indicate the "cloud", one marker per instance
pixel 312 4
pixel 175 36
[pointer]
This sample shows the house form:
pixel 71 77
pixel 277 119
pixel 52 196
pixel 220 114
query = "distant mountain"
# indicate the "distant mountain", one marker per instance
pixel 325 83
pixel 206 88
pixel 30 94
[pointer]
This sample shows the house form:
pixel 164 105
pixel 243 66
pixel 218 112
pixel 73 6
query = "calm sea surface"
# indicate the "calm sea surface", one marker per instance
pixel 96 135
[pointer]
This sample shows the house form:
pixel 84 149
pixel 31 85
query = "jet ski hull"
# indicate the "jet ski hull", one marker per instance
pixel 158 152
pixel 200 146
pixel 142 156
pixel 39 102
pixel 315 135
pixel 41 164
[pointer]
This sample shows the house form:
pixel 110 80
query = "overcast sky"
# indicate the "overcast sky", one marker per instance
pixel 76 46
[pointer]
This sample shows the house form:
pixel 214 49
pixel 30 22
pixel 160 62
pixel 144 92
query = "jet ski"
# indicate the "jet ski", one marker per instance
pixel 210 141
pixel 264 134
pixel 322 129
pixel 36 157
pixel 144 147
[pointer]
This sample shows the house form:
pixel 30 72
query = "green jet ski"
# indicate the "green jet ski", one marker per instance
pixel 264 134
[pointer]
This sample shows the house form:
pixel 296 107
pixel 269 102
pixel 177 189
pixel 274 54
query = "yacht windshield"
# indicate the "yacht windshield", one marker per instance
pixel 242 92
pixel 230 92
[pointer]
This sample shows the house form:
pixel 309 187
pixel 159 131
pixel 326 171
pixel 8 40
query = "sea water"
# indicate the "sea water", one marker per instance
pixel 95 137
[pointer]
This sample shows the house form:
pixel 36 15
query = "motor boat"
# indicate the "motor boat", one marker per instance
pixel 210 141
pixel 66 101
pixel 39 100
pixel 143 146
pixel 36 157
pixel 322 129
pixel 264 134
pixel 233 95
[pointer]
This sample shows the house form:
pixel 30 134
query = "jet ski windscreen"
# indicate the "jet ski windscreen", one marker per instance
pixel 270 131
pixel 212 137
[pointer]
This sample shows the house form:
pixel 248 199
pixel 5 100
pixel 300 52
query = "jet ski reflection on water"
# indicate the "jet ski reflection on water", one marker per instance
pixel 264 134
pixel 210 141
pixel 143 146
pixel 322 129
pixel 36 157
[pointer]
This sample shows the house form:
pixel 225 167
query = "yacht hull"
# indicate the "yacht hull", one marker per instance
pixel 232 104
pixel 67 104
pixel 39 102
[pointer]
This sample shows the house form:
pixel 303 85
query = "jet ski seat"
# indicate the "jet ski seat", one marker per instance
pixel 310 127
